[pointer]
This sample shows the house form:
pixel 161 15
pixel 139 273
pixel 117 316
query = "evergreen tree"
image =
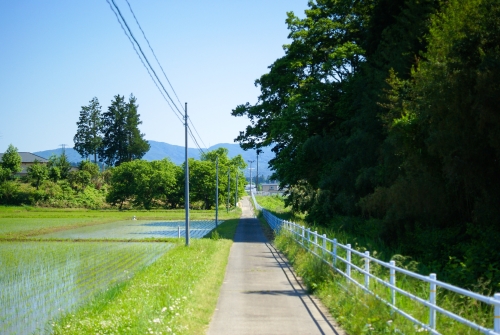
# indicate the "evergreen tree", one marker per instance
pixel 122 140
pixel 88 138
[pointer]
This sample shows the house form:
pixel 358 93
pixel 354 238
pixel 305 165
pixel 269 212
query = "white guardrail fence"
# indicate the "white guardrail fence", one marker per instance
pixel 328 251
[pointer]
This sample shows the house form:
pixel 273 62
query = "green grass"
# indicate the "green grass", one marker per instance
pixel 361 313
pixel 276 205
pixel 176 294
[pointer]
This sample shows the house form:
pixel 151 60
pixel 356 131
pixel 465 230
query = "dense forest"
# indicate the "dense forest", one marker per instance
pixel 387 110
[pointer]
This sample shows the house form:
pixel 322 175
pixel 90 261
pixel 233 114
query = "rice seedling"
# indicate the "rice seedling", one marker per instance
pixel 42 280
pixel 138 229
pixel 22 222
pixel 177 294
pixel 22 227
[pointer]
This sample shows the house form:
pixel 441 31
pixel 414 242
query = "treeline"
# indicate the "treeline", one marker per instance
pixel 388 109
pixel 135 184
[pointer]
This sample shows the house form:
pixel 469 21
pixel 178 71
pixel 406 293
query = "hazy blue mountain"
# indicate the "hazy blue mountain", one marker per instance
pixel 71 153
pixel 160 150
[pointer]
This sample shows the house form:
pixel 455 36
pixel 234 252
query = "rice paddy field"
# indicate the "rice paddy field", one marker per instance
pixel 139 229
pixel 42 280
pixel 54 264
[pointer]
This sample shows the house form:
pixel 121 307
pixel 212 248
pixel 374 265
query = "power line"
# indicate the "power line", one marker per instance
pixel 149 68
pixel 195 141
pixel 158 62
pixel 143 55
pixel 142 61
pixel 197 133
pixel 151 48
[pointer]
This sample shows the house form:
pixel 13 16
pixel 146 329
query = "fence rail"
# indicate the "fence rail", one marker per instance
pixel 328 251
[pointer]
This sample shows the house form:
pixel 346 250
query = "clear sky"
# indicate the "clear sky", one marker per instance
pixel 56 55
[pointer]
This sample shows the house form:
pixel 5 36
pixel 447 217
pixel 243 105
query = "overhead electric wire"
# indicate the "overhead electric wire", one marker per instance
pixel 161 67
pixel 142 61
pixel 152 51
pixel 150 69
pixel 143 55
pixel 195 141
pixel 197 132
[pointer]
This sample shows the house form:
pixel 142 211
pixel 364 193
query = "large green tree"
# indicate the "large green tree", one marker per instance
pixel 145 184
pixel 88 137
pixel 122 141
pixel 37 173
pixel 234 167
pixel 58 166
pixel 444 129
pixel 319 106
pixel 11 162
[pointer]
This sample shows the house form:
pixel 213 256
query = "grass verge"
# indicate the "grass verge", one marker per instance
pixel 176 294
pixel 360 313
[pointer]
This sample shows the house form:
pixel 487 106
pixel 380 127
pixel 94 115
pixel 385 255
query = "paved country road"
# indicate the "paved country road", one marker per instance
pixel 261 294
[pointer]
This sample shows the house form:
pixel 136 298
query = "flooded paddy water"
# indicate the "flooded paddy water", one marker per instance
pixel 139 229
pixel 42 280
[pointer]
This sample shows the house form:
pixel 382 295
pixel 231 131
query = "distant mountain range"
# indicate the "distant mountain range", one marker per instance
pixel 160 150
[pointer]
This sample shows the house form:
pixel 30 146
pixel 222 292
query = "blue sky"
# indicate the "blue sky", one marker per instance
pixel 55 56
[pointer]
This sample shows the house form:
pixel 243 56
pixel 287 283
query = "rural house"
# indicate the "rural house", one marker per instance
pixel 28 159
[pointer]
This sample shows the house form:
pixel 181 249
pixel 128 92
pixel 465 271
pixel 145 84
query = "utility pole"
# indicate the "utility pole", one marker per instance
pixel 250 176
pixel 228 188
pixel 63 149
pixel 186 174
pixel 216 191
pixel 259 151
pixel 236 192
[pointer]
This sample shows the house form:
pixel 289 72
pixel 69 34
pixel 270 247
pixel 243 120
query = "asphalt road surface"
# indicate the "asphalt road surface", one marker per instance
pixel 261 294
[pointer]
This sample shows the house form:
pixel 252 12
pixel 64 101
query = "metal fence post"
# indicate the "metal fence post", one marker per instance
pixel 303 234
pixel 316 242
pixel 324 246
pixel 392 281
pixel 367 269
pixel 432 300
pixel 308 237
pixel 348 264
pixel 334 247
pixel 496 321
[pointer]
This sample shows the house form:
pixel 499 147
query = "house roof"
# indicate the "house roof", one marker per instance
pixel 28 157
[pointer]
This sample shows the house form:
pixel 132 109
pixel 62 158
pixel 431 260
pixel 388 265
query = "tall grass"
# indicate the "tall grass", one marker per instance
pixel 176 294
pixel 343 297
pixel 361 313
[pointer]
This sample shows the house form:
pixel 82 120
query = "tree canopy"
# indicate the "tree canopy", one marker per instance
pixel 388 109
pixel 113 135
pixel 11 162
pixel 88 137
pixel 122 141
